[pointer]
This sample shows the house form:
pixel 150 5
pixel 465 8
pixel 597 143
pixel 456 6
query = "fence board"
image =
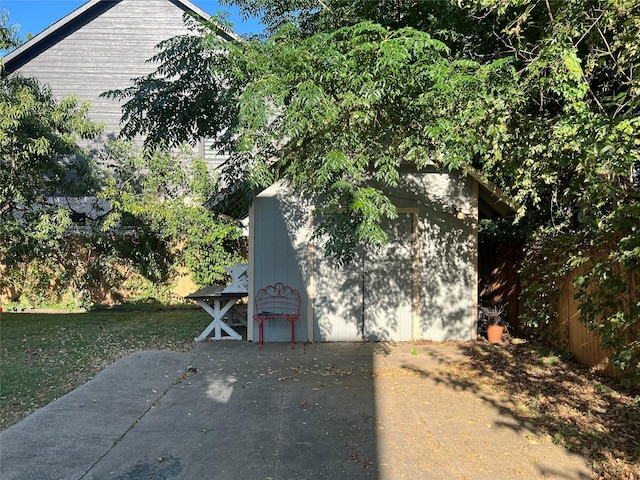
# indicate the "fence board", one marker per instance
pixel 573 335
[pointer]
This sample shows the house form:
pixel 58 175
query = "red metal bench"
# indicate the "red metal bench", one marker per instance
pixel 273 302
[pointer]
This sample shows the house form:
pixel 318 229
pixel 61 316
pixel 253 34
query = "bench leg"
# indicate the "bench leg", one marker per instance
pixel 260 334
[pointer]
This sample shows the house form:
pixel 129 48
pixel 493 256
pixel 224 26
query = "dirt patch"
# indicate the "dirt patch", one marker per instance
pixel 568 403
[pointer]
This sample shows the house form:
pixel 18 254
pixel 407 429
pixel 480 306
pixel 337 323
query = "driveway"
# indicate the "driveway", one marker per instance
pixel 322 411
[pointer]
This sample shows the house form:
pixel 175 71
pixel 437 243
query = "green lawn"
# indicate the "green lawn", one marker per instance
pixel 44 356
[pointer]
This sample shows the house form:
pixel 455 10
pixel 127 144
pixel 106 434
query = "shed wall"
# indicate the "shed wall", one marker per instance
pixel 422 286
pixel 280 231
pixel 447 252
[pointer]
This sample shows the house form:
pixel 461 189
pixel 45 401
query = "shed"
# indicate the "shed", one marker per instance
pixel 422 285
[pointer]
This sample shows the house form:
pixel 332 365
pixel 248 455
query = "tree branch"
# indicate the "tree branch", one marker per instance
pixel 325 6
pixel 615 61
pixel 595 22
pixel 549 10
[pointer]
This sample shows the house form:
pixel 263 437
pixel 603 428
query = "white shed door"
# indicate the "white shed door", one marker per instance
pixel 372 297
pixel 338 300
pixel 388 284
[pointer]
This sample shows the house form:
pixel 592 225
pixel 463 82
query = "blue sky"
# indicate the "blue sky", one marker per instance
pixel 33 16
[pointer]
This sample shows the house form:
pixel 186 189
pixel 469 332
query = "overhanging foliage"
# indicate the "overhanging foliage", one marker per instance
pixel 542 97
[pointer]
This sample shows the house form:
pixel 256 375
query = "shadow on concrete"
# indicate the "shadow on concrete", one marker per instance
pixel 244 413
pixel 563 401
pixel 359 410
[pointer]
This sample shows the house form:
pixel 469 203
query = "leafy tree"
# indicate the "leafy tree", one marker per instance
pixel 38 148
pixel 541 96
pixel 572 158
pixel 156 196
pixel 38 144
pixel 331 111
pixel 356 103
pixel 39 159
pixel 160 195
pixel 9 34
pixel 444 20
pixel 189 97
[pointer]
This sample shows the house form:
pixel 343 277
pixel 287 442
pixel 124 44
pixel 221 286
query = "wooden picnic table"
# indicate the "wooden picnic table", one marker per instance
pixel 217 303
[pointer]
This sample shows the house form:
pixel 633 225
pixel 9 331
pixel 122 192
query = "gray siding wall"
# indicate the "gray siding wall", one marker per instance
pixel 447 246
pixel 338 295
pixel 106 53
pixel 445 261
pixel 281 241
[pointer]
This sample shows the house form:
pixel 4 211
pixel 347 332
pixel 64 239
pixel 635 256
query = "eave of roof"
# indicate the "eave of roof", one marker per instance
pixel 18 57
pixel 492 202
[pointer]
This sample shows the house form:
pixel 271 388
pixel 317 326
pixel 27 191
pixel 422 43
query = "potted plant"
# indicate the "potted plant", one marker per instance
pixel 495 323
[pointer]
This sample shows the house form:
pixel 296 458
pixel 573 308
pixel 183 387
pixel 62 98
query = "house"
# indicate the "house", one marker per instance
pixel 101 46
pixel 422 285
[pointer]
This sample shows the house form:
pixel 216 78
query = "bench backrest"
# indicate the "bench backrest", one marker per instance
pixel 278 299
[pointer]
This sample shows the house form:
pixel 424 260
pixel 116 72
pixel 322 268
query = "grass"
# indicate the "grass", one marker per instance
pixel 44 356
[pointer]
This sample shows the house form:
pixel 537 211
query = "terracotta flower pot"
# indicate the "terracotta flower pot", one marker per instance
pixel 494 333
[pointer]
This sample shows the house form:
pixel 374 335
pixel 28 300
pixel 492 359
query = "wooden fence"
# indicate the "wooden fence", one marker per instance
pixel 498 264
pixel 500 284
pixel 573 335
